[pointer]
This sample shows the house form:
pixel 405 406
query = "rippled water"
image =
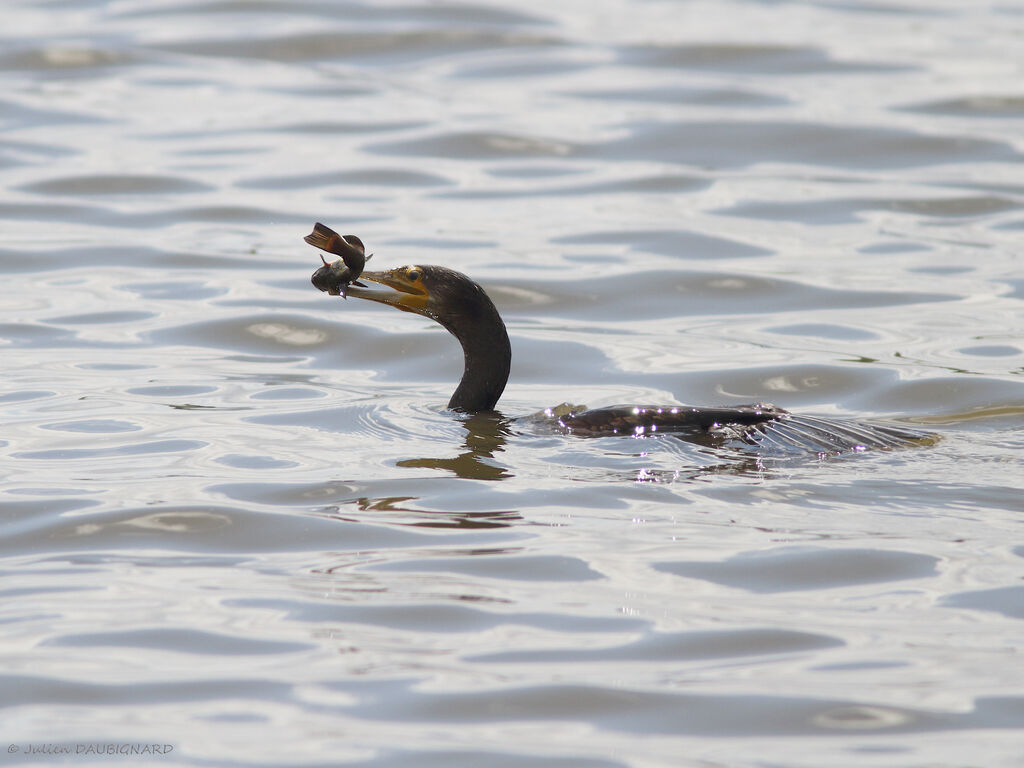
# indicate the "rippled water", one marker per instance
pixel 237 519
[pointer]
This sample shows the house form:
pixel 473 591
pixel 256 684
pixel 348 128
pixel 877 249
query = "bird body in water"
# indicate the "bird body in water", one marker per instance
pixel 465 310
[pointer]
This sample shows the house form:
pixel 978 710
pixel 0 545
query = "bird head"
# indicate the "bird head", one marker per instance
pixel 441 294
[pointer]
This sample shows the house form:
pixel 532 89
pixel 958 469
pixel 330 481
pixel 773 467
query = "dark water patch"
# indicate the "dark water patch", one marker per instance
pixel 1009 601
pixel 1018 288
pixel 264 359
pixel 476 145
pixel 991 350
pixel 32 591
pixel 25 395
pixel 114 366
pixel 18 691
pixel 1013 225
pixel 655 185
pixel 25 516
pixel 383 177
pixel 857 666
pixel 1002 106
pixel 419 502
pixel 816 212
pixel 16 153
pixel 587 258
pixel 93 426
pixel 65 59
pixel 435 617
pixel 102 318
pixel 824 331
pixel 533 171
pixel 889 491
pixel 45 212
pixel 367 46
pixel 691 245
pixel 733 144
pixel 789 569
pixel 950 399
pixel 704 715
pixel 686 293
pixel 679 646
pixel 346 11
pixel 704 97
pixel 844 211
pixel 16 116
pixel 162 217
pixel 268 334
pixel 423 354
pixel 748 59
pixel 234 214
pixel 178 641
pixel 604 708
pixel 470 13
pixel 440 244
pixel 212 152
pixel 100 561
pixel 215 530
pixel 503 567
pixel 544 361
pixel 117 185
pixel 954 207
pixel 171 390
pixel 664 184
pixel 135 449
pixel 292 494
pixel 523 64
pixel 288 393
pixel 886 8
pixel 30 335
pixel 344 127
pixel 351 419
pixel 887 248
pixel 139 258
pixel 183 290
pixel 241 461
pixel 723 144
pixel 941 270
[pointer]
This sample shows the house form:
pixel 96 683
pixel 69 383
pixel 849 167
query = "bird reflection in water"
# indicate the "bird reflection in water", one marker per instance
pixel 485 436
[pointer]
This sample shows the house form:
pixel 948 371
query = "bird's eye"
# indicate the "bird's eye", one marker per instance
pixel 412 275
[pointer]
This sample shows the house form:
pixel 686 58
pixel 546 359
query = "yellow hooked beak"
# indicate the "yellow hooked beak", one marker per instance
pixel 409 291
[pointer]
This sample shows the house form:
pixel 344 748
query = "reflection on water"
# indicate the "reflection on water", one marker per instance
pixel 486 434
pixel 237 519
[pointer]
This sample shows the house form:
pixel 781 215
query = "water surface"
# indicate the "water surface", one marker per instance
pixel 237 519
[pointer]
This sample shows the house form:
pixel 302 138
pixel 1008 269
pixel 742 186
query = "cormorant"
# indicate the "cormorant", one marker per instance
pixel 467 312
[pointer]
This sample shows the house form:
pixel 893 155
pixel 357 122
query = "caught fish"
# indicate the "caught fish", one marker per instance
pixel 336 276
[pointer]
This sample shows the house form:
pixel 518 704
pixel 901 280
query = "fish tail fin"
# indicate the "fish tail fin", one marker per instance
pixel 323 238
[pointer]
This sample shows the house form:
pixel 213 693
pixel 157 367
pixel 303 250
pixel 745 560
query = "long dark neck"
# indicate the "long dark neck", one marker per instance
pixel 487 351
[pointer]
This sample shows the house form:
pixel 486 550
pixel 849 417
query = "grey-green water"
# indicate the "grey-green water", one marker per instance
pixel 237 520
